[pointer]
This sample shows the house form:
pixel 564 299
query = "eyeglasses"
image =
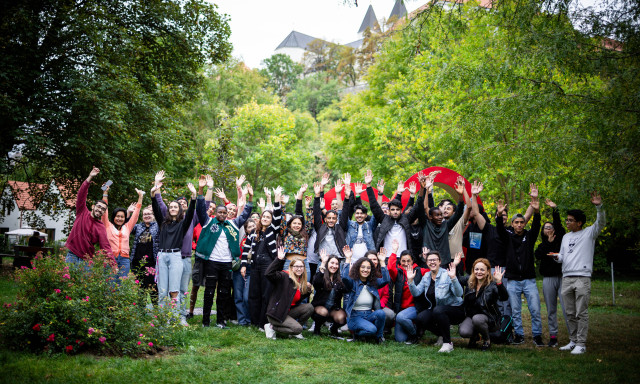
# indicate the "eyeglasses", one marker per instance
pixel 548 227
pixel 570 220
pixel 298 266
pixel 432 260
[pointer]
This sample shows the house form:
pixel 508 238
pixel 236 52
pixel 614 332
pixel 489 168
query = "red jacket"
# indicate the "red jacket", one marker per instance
pixel 86 230
pixel 407 297
pixel 384 296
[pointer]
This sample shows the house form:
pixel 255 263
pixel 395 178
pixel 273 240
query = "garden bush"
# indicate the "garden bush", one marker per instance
pixel 70 308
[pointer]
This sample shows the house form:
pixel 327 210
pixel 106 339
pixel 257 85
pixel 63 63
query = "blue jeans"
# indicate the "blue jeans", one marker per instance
pixel 404 324
pixel 530 290
pixel 241 296
pixel 169 270
pixel 184 285
pixel 72 258
pixel 306 266
pixel 123 266
pixel 505 307
pixel 367 323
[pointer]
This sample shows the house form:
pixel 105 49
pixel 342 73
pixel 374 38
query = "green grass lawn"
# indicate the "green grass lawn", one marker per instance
pixel 244 355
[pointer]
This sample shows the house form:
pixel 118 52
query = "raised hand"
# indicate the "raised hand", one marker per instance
pixel 552 236
pixel 382 257
pixel 261 204
pixel 456 260
pixel 381 186
pixel 267 191
pixel 368 177
pixel 500 207
pixel 284 199
pixel 324 257
pixel 359 188
pixel 317 188
pixel 451 271
pixel 220 193
pixel 240 180
pixel 596 199
pixel 94 172
pixel 322 206
pixel 346 179
pixel 338 187
pixel 425 250
pixel 277 192
pixel 411 274
pixel 281 253
pixel 140 192
pixel 460 185
pixel 550 203
pixel 307 201
pixel 533 191
pixel 132 207
pixel 192 189
pixel 383 253
pixel 249 190
pixel 498 272
pixel 535 204
pixel 432 175
pixel 159 177
pixel 245 190
pixel 395 244
pixel 347 253
pixel 303 189
pixel 106 189
pixel 400 190
pixel 476 188
pixel 413 188
pixel 209 180
pixel 325 179
pixel 156 187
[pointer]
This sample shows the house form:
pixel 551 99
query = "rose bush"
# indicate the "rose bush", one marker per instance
pixel 68 308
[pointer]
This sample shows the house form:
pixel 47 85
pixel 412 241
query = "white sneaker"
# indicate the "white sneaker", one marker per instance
pixel 312 327
pixel 568 347
pixel 446 347
pixel 298 336
pixel 183 321
pixel 269 331
pixel 578 350
pixel 439 342
pixel 344 328
pixel 234 322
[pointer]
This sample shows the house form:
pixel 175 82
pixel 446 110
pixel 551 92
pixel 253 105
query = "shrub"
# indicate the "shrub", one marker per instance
pixel 69 308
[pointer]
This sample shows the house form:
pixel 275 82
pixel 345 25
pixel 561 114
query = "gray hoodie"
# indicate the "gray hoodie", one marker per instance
pixel 576 251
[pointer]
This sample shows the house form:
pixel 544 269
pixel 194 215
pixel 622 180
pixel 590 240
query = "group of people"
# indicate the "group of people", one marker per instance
pixel 370 271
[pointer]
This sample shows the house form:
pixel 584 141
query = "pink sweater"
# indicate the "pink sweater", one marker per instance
pixel 119 239
pixel 86 230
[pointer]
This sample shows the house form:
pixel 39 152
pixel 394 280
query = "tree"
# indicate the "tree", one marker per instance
pixel 313 94
pixel 270 145
pixel 524 93
pixel 102 83
pixel 282 73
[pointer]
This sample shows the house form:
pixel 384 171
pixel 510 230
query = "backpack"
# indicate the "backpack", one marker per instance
pixel 504 333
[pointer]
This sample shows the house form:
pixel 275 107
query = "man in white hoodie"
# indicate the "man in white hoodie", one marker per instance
pixel 576 256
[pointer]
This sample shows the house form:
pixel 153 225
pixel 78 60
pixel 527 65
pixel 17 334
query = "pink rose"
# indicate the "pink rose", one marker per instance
pixel 66 276
pixel 91 330
pixel 102 339
pixel 150 344
pixel 57 290
pixel 139 342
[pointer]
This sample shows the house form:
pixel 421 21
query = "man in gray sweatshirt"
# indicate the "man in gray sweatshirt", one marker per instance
pixel 576 256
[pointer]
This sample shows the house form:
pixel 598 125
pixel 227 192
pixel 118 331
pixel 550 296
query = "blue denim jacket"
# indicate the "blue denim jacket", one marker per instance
pixel 368 228
pixel 448 292
pixel 354 287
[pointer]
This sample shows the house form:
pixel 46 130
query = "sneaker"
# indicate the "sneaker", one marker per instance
pixel 579 350
pixel 222 325
pixel 446 347
pixel 183 321
pixel 439 342
pixel 205 325
pixel 269 331
pixel 412 340
pixel 537 340
pixel 519 339
pixel 234 322
pixel 380 340
pixel 473 342
pixel 189 316
pixel 312 327
pixel 344 328
pixel 553 342
pixel 485 346
pixel 261 329
pixel 568 347
pixel 298 336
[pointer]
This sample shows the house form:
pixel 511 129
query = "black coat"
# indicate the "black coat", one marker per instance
pixel 322 229
pixel 283 291
pixel 519 250
pixel 486 302
pixel 386 222
pixel 548 266
pixel 321 294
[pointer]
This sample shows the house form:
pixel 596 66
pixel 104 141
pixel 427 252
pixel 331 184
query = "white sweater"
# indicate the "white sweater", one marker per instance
pixel 576 251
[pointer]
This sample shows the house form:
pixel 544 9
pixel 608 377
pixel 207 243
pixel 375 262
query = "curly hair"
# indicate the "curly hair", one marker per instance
pixel 354 272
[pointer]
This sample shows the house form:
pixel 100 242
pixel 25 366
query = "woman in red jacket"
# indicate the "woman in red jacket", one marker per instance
pixel 286 311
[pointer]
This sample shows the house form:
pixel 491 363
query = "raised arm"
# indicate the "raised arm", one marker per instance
pixel 502 231
pixel 134 217
pixel 277 209
pixel 155 192
pixel 476 188
pixel 317 210
pixel 83 191
pixel 188 216
pixel 248 208
pixel 380 191
pixel 535 226
pixel 105 215
pixel 596 228
pixel 558 228
pixel 376 210
pixel 533 192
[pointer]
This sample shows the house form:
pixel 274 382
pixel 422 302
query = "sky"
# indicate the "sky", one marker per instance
pixel 258 26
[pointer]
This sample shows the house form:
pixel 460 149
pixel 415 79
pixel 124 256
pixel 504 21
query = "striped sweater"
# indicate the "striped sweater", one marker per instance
pixel 269 234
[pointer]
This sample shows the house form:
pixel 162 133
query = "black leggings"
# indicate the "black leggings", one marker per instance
pixel 439 320
pixel 259 291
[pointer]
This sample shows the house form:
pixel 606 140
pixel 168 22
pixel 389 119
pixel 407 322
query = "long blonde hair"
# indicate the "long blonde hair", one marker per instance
pixel 473 281
pixel 302 283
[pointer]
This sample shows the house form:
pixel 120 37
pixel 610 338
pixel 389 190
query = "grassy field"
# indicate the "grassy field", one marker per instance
pixel 243 355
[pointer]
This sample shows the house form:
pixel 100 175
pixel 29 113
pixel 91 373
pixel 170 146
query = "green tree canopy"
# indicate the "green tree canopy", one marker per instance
pixel 281 73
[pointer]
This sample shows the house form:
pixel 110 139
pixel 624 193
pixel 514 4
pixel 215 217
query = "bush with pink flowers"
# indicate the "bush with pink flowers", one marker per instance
pixel 65 308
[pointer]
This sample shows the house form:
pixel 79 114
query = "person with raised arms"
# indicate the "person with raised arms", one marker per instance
pixel 366 319
pixel 88 229
pixel 443 293
pixel 331 235
pixel 144 254
pixel 287 311
pixel 327 298
pixel 217 250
